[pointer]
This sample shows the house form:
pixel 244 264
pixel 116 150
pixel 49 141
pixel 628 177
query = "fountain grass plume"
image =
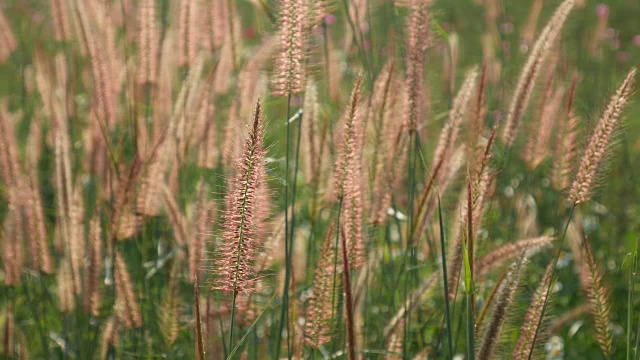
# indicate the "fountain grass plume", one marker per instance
pixel 242 232
pixel 525 345
pixel 504 299
pixel 318 325
pixel 582 187
pixel 241 236
pixel 290 72
pixel 599 298
pixel 531 71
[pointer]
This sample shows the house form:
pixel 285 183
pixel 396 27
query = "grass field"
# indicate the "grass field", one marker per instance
pixel 319 179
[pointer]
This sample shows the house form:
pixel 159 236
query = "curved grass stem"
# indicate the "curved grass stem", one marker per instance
pixel 551 283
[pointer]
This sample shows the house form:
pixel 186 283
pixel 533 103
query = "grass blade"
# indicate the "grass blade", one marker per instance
pixel 445 282
pixel 468 287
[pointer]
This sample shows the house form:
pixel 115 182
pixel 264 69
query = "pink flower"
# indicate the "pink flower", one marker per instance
pixel 602 10
pixel 329 19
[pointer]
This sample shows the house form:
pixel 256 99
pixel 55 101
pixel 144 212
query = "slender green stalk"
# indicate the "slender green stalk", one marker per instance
pixel 199 342
pixel 470 246
pixel 351 348
pixel 284 315
pixel 410 252
pixel 77 321
pixel 66 332
pixel 445 282
pixel 471 351
pixel 468 287
pixel 224 344
pixel 293 222
pixel 633 268
pixel 551 283
pixel 249 330
pixel 406 255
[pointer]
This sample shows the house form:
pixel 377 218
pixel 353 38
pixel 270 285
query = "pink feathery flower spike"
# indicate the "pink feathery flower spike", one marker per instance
pixel 148 43
pixel 349 148
pixel 241 227
pixel 60 16
pixel 290 73
pixel 417 43
pixel 531 71
pixel 318 325
pixel 348 177
pixel 126 307
pixel 582 186
pixel 7 40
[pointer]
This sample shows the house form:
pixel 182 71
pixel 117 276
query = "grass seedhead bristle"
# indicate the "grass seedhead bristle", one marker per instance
pixel 599 298
pixel 503 301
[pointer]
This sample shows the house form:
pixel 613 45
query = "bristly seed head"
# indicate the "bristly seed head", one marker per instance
pixel 531 71
pixel 599 144
pixel 242 230
pixel 290 71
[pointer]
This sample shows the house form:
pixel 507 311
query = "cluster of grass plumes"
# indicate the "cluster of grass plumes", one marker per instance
pixel 309 179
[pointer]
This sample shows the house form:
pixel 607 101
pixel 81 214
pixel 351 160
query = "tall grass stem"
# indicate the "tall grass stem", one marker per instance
pixel 445 282
pixel 552 282
pixel 285 291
